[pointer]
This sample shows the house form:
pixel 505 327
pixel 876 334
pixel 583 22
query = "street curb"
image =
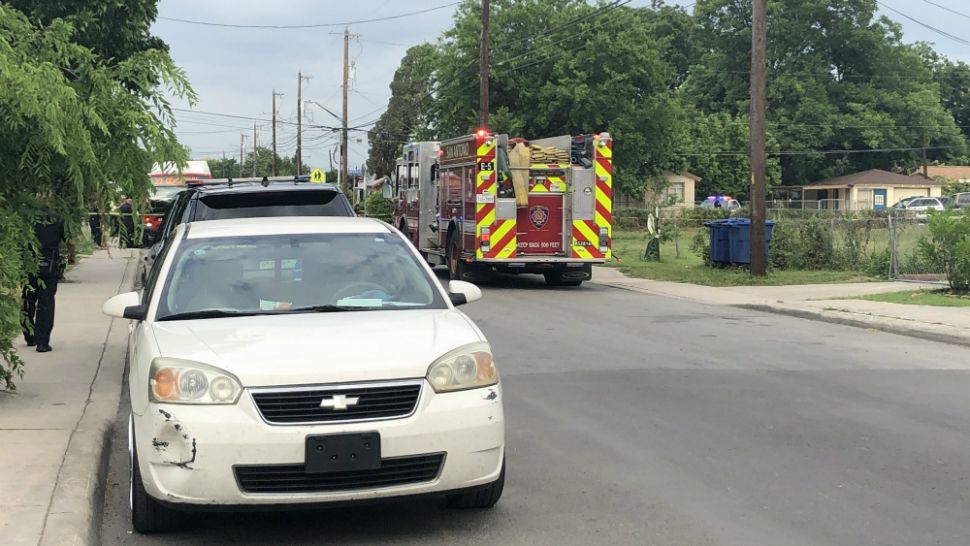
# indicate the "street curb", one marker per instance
pixel 75 513
pixel 859 323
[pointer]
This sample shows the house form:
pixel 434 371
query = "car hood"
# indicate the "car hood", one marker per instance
pixel 314 348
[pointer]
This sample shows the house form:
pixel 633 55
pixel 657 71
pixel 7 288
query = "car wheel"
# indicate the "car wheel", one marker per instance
pixel 479 497
pixel 147 514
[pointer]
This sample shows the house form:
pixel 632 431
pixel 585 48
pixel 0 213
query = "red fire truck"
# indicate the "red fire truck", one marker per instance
pixel 457 202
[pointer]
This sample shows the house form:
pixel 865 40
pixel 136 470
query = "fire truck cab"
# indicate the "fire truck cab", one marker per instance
pixel 467 204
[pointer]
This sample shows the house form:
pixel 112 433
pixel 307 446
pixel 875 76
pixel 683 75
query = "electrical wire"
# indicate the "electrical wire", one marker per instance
pixel 317 25
pixel 953 11
pixel 943 33
pixel 818 152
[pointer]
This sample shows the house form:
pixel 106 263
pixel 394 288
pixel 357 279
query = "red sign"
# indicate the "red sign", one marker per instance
pixel 539 225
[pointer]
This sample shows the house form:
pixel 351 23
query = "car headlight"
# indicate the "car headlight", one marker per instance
pixel 176 381
pixel 468 367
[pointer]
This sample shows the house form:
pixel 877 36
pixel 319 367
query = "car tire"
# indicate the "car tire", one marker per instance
pixel 147 514
pixel 480 497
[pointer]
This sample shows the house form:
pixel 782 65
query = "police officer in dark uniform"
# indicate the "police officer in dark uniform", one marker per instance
pixel 38 295
pixel 127 224
pixel 94 221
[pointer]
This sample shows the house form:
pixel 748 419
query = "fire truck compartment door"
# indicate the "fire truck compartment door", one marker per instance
pixel 539 226
pixel 584 198
pixel 505 208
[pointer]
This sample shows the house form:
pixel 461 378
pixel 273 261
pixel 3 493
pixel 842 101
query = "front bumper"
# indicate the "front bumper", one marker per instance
pixel 188 453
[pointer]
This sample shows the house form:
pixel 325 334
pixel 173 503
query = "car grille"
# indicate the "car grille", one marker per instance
pixel 374 401
pixel 292 478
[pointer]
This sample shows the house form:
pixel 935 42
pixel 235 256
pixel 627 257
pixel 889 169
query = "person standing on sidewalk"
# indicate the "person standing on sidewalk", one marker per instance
pixel 94 221
pixel 38 295
pixel 127 224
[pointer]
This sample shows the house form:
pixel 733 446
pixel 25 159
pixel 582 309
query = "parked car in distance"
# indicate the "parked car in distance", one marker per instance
pixel 295 361
pixel 902 203
pixel 961 200
pixel 918 207
pixel 247 198
pixel 158 204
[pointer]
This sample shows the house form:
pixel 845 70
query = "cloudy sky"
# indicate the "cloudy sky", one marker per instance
pixel 234 70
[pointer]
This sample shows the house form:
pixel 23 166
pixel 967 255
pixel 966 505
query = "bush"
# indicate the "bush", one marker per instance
pixel 949 247
pixel 805 244
pixel 378 206
pixel 700 244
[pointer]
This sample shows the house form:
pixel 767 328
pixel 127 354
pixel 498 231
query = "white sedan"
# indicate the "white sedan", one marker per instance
pixel 304 360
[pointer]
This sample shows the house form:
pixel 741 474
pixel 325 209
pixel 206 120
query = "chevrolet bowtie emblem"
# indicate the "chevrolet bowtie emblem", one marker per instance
pixel 339 402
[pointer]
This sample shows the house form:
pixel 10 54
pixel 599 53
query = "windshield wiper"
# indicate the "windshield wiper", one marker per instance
pixel 210 313
pixel 327 309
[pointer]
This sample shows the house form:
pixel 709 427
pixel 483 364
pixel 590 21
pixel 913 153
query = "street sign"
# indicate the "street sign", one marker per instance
pixel 318 176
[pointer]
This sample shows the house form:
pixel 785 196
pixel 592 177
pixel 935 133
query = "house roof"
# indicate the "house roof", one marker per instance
pixel 951 172
pixel 685 174
pixel 874 177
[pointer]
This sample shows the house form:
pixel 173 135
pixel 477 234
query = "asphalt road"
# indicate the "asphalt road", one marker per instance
pixel 635 419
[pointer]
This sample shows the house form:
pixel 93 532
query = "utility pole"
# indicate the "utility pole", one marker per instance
pixel 275 94
pixel 242 142
pixel 254 149
pixel 926 167
pixel 483 67
pixel 299 121
pixel 759 86
pixel 343 134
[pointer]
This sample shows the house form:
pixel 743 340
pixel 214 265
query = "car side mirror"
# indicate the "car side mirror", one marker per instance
pixel 461 292
pixel 127 306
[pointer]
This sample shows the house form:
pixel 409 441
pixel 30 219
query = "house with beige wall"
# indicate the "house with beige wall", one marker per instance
pixel 683 187
pixel 872 189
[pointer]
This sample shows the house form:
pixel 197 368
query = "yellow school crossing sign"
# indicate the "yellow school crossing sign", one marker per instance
pixel 318 176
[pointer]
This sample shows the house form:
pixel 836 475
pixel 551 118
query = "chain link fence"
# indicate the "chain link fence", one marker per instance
pixel 879 244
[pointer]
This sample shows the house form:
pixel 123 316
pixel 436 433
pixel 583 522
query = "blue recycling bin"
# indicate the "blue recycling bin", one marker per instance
pixel 720 240
pixel 739 240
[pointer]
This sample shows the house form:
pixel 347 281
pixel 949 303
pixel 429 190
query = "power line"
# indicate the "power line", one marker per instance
pixel 928 26
pixel 317 25
pixel 818 152
pixel 953 11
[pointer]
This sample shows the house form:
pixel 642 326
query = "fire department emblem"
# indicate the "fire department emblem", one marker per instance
pixel 539 216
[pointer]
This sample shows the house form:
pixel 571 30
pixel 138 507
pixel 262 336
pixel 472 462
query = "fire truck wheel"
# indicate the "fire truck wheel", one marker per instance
pixel 555 279
pixel 457 270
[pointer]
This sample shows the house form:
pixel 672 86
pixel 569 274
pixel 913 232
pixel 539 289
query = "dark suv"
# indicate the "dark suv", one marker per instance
pixel 248 198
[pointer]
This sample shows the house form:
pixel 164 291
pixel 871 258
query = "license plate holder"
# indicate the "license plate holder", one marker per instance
pixel 343 452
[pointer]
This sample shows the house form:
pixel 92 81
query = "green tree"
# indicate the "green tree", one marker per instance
pixel 566 67
pixel 229 167
pixel 839 78
pixel 78 128
pixel 408 111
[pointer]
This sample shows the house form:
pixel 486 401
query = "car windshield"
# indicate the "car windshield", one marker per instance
pixel 280 274
pixel 223 206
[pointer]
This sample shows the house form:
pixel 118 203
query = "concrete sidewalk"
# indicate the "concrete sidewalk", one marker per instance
pixel 824 302
pixel 54 428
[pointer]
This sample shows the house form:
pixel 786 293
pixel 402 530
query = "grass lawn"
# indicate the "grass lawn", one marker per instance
pixel 690 268
pixel 939 298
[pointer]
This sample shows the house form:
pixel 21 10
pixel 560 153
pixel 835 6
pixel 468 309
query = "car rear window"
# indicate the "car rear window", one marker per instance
pixel 270 203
